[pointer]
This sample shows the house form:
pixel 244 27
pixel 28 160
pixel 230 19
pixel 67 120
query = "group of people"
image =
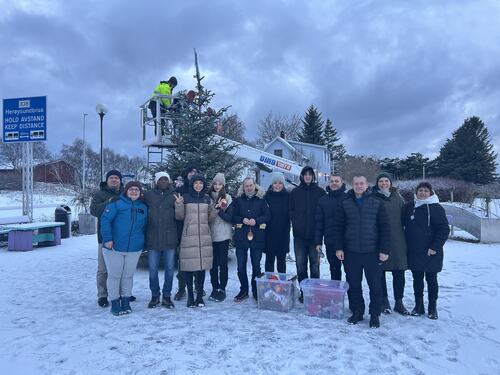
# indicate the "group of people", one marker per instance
pixel 370 230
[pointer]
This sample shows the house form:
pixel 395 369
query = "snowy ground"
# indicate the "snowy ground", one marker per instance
pixel 50 324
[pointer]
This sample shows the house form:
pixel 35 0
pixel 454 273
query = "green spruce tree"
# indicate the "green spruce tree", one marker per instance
pixel 337 150
pixel 469 154
pixel 312 131
pixel 197 142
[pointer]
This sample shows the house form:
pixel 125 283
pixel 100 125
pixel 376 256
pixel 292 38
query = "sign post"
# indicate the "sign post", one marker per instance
pixel 25 121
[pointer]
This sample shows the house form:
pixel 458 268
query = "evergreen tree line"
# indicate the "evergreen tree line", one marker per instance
pixel 467 155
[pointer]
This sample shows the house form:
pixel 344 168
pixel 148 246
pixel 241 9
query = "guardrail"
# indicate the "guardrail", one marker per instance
pixel 487 230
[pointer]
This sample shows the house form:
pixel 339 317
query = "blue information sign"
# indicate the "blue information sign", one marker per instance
pixel 25 119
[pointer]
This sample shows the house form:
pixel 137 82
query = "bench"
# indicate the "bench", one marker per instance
pixel 22 237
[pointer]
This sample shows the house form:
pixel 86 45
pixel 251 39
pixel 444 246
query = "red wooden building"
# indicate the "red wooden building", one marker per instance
pixel 57 171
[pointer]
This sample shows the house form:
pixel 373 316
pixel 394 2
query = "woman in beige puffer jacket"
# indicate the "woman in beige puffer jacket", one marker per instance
pixel 196 253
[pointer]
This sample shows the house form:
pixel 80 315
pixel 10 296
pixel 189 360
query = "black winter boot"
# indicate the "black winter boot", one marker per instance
pixel 181 293
pixel 419 306
pixel 400 308
pixel 103 302
pixel 242 295
pixel 167 302
pixel 254 289
pixel 199 300
pixel 432 310
pixel 190 299
pixel 386 307
pixel 374 321
pixel 155 301
pixel 355 318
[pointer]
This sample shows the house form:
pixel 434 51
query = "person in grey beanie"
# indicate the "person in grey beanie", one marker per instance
pixel 397 262
pixel 221 232
pixel 278 228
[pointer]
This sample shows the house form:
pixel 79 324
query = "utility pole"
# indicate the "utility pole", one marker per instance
pixel 84 153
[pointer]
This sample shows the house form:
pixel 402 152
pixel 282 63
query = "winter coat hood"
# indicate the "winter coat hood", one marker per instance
pixel 304 171
pixel 432 199
pixel 259 192
pixel 197 177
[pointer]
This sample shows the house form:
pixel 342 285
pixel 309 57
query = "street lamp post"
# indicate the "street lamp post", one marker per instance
pixel 84 153
pixel 101 111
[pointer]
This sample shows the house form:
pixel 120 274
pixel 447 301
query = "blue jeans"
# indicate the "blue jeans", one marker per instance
pixel 242 258
pixel 154 265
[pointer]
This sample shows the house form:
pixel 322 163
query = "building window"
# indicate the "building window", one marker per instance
pixel 278 153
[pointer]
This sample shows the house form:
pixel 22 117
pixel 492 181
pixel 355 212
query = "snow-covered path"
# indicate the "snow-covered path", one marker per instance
pixel 50 324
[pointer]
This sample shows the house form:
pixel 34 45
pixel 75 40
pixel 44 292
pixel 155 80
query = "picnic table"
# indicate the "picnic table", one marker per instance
pixel 22 237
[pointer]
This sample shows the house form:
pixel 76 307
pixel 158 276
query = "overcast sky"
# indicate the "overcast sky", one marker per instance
pixel 395 77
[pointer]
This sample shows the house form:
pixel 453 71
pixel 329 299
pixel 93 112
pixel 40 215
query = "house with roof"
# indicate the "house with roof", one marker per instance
pixel 316 156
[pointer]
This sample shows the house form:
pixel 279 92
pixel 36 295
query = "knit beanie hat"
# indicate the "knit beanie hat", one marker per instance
pixel 277 177
pixel 132 183
pixel 159 175
pixel 114 172
pixel 381 175
pixel 219 177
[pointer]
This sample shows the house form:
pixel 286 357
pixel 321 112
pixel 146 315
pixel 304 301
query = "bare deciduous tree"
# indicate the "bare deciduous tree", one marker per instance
pixel 274 125
pixel 353 165
pixel 232 127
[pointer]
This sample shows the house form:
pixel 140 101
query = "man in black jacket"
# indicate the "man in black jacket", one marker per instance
pixel 161 238
pixel 303 201
pixel 109 191
pixel 328 207
pixel 361 241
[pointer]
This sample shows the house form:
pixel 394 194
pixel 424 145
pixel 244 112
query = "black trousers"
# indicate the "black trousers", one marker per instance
pixel 335 264
pixel 280 260
pixel 432 284
pixel 305 252
pixel 355 264
pixel 398 284
pixel 199 280
pixel 181 281
pixel 218 273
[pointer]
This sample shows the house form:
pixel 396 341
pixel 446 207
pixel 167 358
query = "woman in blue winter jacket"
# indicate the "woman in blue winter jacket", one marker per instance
pixel 123 227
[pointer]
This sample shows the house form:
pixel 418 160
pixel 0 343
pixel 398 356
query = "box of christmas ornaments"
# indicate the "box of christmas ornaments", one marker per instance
pixel 324 298
pixel 276 291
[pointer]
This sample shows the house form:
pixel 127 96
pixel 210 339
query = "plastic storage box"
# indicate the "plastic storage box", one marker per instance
pixel 276 291
pixel 324 298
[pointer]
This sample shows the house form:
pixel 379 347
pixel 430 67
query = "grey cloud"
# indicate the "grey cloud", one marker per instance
pixel 394 77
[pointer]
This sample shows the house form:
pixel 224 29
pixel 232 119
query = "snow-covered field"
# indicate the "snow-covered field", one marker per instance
pixel 46 197
pixel 50 324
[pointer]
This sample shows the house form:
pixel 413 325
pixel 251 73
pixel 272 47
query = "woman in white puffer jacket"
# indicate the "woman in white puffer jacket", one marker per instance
pixel 222 232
